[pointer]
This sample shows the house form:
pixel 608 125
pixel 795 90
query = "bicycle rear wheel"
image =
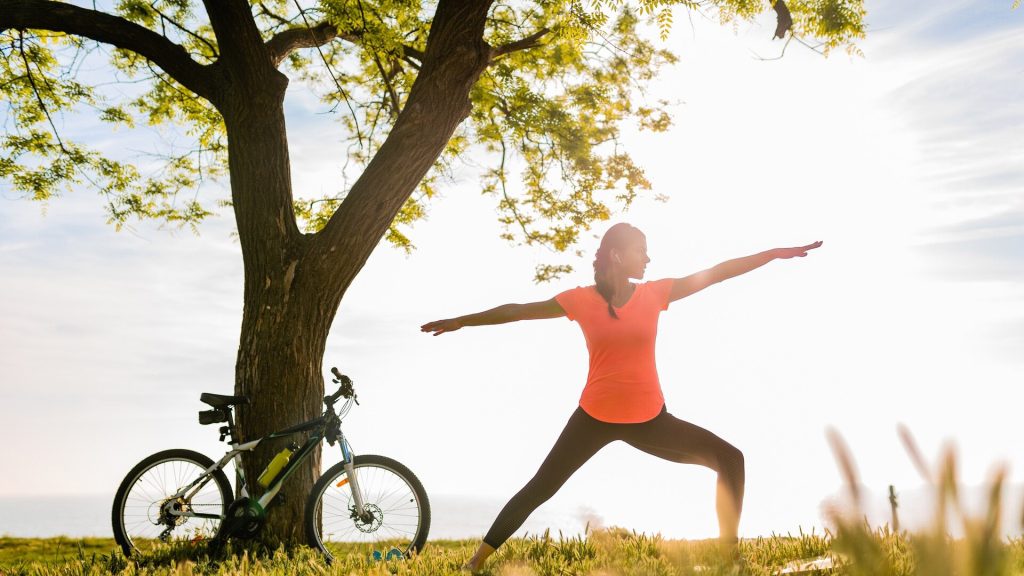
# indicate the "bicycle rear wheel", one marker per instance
pixel 394 497
pixel 144 514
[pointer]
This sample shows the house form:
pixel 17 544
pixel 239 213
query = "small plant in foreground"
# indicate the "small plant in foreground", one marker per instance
pixel 863 551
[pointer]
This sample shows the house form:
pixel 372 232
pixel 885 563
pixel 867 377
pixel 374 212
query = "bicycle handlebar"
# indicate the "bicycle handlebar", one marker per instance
pixel 346 389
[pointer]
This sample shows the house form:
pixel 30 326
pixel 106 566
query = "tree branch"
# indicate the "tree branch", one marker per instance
pixel 387 84
pixel 410 52
pixel 508 200
pixel 784 21
pixel 108 29
pixel 281 20
pixel 35 90
pixel 531 41
pixel 438 101
pixel 341 90
pixel 243 55
pixel 286 42
pixel 380 68
pixel 184 30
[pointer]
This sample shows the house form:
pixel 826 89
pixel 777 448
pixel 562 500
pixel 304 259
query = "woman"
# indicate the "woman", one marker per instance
pixel 622 399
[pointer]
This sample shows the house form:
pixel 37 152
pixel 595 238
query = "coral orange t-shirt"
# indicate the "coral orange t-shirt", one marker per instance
pixel 622 385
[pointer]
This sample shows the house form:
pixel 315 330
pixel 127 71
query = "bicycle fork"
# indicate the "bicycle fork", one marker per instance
pixel 352 480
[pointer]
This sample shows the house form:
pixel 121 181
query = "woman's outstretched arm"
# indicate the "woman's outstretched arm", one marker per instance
pixel 500 315
pixel 683 287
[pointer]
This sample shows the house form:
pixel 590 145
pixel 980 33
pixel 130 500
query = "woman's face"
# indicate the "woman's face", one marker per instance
pixel 632 258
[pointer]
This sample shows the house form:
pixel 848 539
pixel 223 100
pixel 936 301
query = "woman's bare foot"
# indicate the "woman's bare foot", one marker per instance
pixel 729 548
pixel 476 563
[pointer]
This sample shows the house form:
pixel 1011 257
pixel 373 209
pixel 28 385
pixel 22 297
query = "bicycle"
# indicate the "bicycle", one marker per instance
pixel 363 501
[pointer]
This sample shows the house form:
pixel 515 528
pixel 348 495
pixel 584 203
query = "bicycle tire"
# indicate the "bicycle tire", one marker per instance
pixel 391 491
pixel 149 484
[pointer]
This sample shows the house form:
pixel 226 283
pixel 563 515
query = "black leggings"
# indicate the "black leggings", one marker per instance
pixel 665 436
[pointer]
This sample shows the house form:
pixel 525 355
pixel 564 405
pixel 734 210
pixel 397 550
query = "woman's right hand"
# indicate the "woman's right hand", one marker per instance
pixel 798 252
pixel 439 327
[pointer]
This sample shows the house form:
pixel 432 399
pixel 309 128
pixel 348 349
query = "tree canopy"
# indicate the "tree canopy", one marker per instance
pixel 563 79
pixel 546 87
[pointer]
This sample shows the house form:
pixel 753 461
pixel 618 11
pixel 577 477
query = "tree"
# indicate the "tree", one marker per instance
pixel 547 81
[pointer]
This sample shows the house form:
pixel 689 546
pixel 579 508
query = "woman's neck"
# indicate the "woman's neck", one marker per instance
pixel 623 291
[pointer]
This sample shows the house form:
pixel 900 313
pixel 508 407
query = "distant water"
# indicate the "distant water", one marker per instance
pixel 453 517
pixel 45 516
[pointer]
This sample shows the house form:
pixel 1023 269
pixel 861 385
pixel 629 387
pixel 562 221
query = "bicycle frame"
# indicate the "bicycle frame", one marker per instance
pixel 319 427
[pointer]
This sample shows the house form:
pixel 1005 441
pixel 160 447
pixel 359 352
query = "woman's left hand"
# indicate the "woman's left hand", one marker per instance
pixel 439 327
pixel 799 252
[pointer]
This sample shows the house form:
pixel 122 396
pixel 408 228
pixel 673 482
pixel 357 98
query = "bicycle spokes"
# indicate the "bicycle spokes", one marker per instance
pixel 394 511
pixel 151 506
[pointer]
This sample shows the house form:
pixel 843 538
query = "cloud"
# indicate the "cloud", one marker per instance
pixel 990 248
pixel 962 104
pixel 928 26
pixel 959 101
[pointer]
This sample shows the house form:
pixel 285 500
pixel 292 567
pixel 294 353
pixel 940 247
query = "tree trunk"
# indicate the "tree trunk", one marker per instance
pixel 284 320
pixel 279 369
pixel 294 283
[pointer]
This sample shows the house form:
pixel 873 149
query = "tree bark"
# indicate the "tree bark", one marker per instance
pixel 280 356
pixel 284 327
pixel 284 321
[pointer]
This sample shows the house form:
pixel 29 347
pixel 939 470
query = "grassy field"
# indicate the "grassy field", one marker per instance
pixel 855 550
pixel 50 551
pixel 603 553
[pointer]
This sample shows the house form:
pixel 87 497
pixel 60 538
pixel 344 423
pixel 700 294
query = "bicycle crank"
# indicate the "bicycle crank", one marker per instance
pixel 244 520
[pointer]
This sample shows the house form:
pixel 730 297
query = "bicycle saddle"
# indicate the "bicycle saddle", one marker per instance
pixel 220 400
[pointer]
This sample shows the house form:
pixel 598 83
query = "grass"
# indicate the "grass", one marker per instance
pixel 609 552
pixel 855 549
pixel 50 550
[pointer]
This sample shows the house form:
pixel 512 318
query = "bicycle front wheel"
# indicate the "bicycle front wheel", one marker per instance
pixel 148 509
pixel 397 513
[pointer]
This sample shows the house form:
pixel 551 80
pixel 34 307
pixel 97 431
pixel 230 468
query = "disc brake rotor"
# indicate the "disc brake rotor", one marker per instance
pixel 372 519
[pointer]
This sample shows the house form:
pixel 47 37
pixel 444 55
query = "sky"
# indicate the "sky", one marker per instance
pixel 907 162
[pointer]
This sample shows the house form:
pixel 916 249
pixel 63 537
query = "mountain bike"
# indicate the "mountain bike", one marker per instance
pixel 362 503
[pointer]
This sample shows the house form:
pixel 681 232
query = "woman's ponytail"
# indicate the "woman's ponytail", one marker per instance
pixel 615 238
pixel 602 267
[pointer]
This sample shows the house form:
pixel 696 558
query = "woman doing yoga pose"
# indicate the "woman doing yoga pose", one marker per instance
pixel 622 399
